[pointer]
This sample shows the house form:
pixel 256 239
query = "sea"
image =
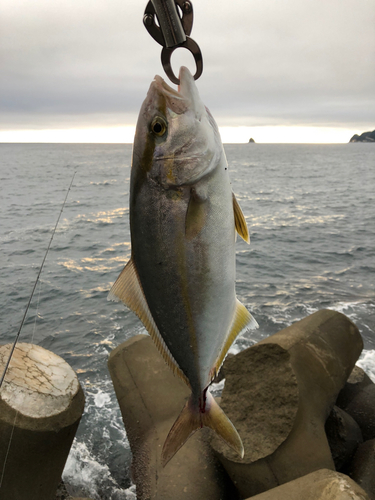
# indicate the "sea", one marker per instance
pixel 310 210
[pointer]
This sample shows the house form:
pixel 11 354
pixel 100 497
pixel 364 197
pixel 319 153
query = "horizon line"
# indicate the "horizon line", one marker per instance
pixel 131 143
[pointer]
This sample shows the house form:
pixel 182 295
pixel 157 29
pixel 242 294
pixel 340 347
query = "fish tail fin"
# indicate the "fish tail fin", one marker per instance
pixel 192 418
pixel 186 424
pixel 216 420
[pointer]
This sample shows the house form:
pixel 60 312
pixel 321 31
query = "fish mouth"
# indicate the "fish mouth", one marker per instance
pixel 184 88
pixel 166 89
pixel 187 86
pixel 186 97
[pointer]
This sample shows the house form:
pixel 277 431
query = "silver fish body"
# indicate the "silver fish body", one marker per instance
pixel 181 276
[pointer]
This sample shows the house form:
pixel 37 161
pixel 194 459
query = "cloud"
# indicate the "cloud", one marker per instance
pixel 265 63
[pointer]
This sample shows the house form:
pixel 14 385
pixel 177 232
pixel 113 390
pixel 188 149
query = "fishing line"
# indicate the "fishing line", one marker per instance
pixel 35 284
pixel 7 453
pixel 36 311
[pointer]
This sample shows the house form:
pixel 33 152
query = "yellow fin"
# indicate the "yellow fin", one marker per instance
pixel 192 418
pixel 128 289
pixel 239 221
pixel 195 216
pixel 216 419
pixel 242 319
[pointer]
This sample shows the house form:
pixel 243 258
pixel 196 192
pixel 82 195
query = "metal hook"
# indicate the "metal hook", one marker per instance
pixel 173 31
pixel 172 28
pixel 193 47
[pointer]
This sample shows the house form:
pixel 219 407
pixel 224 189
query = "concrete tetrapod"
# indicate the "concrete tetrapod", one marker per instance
pixel 357 381
pixel 319 485
pixel 362 467
pixel 279 394
pixel 344 435
pixel 41 403
pixel 150 398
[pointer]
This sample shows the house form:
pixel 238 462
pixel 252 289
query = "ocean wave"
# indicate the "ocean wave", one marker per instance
pixel 97 466
pixel 84 475
pixel 276 220
pixel 282 311
pixel 99 218
pixel 95 264
pixel 356 310
pixel 367 363
pixel 312 248
pixel 104 183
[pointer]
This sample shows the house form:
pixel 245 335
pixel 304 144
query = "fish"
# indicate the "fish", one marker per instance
pixel 180 279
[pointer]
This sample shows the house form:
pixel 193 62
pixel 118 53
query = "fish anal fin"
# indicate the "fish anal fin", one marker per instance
pixel 128 289
pixel 239 221
pixel 242 319
pixel 193 418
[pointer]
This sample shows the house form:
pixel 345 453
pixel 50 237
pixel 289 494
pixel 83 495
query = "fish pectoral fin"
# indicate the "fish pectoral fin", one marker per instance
pixel 128 289
pixel 192 418
pixel 196 215
pixel 239 221
pixel 242 319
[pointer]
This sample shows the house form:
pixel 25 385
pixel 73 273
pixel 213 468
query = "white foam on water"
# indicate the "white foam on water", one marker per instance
pixel 351 309
pixel 287 315
pixel 356 311
pixel 101 399
pixel 234 348
pixel 106 182
pixel 85 476
pixel 367 363
pixel 99 460
pixel 216 389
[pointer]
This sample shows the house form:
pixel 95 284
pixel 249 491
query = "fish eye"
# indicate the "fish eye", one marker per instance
pixel 158 126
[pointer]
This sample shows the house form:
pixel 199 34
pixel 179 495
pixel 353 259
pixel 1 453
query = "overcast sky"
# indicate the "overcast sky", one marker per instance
pixel 80 63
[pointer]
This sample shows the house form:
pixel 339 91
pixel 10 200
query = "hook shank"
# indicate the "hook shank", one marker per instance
pixel 172 31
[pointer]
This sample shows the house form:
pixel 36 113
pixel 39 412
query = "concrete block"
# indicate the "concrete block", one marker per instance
pixel 150 399
pixel 357 381
pixel 41 403
pixel 362 467
pixel 319 485
pixel 362 409
pixel 344 435
pixel 279 394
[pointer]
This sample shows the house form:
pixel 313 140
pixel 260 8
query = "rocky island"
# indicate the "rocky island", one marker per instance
pixel 365 137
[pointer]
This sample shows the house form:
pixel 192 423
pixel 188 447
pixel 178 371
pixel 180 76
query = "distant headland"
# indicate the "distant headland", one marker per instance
pixel 365 137
pixel 251 139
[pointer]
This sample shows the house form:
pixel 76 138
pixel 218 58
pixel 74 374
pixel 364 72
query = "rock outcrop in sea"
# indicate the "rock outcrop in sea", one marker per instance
pixel 305 413
pixel 365 137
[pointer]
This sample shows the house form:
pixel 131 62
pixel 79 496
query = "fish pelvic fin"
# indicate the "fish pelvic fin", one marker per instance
pixel 128 289
pixel 239 221
pixel 195 416
pixel 242 319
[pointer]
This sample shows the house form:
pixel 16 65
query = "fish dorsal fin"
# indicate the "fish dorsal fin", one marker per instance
pixel 239 221
pixel 242 319
pixel 128 289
